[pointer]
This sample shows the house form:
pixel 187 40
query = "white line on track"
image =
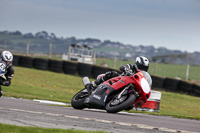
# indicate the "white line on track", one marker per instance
pixel 100 120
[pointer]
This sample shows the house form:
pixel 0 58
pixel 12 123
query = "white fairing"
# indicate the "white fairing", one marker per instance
pixel 145 85
pixel 148 77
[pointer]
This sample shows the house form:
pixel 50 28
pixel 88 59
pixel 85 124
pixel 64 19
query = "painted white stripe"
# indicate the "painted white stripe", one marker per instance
pixel 104 121
pixel 50 102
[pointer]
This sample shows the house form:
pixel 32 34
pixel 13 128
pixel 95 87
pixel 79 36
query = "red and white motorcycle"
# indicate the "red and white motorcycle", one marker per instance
pixel 116 94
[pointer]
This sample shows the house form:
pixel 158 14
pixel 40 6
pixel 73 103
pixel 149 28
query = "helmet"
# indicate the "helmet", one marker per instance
pixel 7 57
pixel 142 63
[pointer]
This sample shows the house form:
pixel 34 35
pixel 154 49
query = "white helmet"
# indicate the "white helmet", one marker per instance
pixel 7 57
pixel 142 63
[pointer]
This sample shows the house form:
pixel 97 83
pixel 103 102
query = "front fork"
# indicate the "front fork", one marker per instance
pixel 128 90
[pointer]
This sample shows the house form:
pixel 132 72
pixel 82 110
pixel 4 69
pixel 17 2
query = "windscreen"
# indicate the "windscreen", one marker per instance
pixel 148 77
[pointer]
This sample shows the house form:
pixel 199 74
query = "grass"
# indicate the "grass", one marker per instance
pixel 178 106
pixel 37 84
pixel 32 83
pixel 5 128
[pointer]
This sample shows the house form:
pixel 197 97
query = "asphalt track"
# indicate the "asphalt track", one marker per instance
pixel 29 113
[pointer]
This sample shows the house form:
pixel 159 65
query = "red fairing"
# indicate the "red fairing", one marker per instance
pixel 139 82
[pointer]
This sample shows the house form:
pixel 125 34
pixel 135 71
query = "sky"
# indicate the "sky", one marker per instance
pixel 174 24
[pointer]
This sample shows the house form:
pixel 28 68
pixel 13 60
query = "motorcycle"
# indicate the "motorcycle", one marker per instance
pixel 116 94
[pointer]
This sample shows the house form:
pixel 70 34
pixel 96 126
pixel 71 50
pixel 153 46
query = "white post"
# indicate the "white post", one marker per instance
pixel 187 72
pixel 50 50
pixel 27 47
pixel 156 67
pixel 115 60
pixel 69 51
pixel 94 57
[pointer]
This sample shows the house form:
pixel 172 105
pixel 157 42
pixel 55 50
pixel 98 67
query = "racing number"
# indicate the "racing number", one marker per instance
pixel 2 67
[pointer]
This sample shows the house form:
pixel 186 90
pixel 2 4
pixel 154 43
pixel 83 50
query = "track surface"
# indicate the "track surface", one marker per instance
pixel 28 113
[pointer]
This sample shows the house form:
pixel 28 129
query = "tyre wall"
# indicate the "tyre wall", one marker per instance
pixel 70 67
pixel 25 61
pixel 82 69
pixel 41 64
pixel 16 59
pixel 171 84
pixel 195 90
pixel 55 66
pixel 185 87
pixel 157 82
pixel 97 70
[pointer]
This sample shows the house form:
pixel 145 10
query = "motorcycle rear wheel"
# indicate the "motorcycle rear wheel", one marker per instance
pixel 110 108
pixel 77 101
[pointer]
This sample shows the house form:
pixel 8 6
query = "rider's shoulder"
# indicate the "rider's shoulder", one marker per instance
pixel 2 63
pixel 10 68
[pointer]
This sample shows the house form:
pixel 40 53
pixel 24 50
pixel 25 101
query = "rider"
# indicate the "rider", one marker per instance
pixel 141 63
pixel 6 59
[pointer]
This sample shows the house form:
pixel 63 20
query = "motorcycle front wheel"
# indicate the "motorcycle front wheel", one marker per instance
pixel 115 105
pixel 77 101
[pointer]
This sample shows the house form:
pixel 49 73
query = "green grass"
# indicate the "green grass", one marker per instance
pixel 5 128
pixel 32 83
pixel 178 106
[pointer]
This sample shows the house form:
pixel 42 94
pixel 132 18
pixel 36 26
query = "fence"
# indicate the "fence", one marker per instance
pixel 68 67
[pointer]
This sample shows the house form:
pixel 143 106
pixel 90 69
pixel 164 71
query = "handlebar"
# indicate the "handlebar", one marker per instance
pixel 127 73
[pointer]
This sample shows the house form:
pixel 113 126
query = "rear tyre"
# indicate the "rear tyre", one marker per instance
pixel 115 105
pixel 77 101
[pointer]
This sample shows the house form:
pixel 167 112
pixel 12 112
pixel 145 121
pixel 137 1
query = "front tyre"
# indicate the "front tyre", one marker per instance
pixel 77 101
pixel 115 105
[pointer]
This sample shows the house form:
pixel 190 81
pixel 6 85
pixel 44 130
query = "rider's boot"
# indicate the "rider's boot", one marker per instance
pixel 87 84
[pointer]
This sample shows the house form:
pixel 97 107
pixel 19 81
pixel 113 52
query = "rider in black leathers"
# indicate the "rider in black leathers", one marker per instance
pixel 6 59
pixel 141 63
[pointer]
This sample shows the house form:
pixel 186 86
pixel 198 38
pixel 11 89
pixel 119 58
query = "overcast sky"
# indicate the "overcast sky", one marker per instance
pixel 174 24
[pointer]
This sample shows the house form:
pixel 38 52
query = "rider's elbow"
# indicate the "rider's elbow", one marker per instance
pixel 6 83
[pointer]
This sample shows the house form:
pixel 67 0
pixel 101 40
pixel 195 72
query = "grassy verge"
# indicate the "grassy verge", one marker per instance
pixel 4 128
pixel 178 105
pixel 32 83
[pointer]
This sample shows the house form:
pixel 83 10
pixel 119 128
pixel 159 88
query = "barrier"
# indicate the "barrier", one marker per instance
pixel 152 104
pixel 84 69
pixel 171 84
pixel 157 82
pixel 70 67
pixel 97 70
pixel 26 61
pixel 184 86
pixel 55 66
pixel 196 90
pixel 16 59
pixel 41 64
pixel 111 69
